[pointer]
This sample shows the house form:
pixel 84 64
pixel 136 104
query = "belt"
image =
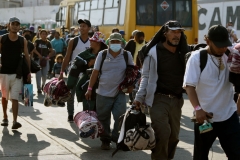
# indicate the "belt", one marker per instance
pixel 167 95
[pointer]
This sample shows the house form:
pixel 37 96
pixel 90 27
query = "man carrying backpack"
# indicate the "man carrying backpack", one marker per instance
pixel 75 46
pixel 210 91
pixel 161 87
pixel 109 98
pixel 11 53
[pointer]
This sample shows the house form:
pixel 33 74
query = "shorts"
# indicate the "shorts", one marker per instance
pixel 10 86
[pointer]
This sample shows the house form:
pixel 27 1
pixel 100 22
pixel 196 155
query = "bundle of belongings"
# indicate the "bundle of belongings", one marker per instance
pixel 135 133
pixel 88 124
pixel 56 93
pixel 132 76
pixel 234 59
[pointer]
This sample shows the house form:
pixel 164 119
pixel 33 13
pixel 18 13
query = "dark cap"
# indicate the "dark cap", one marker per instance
pixel 27 30
pixel 174 25
pixel 87 22
pixel 219 36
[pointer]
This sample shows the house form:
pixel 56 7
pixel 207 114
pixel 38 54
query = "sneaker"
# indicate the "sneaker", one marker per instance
pixel 4 122
pixel 105 146
pixel 16 125
pixel 70 118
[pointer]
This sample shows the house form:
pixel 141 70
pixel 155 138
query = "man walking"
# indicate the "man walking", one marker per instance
pixel 109 98
pixel 11 51
pixel 209 90
pixel 161 88
pixel 83 43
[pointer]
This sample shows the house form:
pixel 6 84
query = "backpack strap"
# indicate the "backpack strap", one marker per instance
pixel 125 54
pixel 75 42
pixel 203 59
pixel 104 55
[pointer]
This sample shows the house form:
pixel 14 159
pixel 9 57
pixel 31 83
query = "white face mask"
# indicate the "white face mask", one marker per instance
pixel 115 47
pixel 229 27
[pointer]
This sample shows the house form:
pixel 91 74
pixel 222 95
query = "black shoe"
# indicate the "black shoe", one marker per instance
pixel 39 91
pixel 105 146
pixel 4 122
pixel 70 118
pixel 61 104
pixel 16 125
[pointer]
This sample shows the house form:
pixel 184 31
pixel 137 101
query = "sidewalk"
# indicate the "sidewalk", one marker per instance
pixel 46 135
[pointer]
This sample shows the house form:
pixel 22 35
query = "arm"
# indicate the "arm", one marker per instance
pixel 238 105
pixel 144 82
pixel 67 58
pixel 35 51
pixel 93 80
pixel 27 57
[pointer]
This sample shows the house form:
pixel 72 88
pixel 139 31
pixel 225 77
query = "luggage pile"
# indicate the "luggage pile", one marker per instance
pixel 56 93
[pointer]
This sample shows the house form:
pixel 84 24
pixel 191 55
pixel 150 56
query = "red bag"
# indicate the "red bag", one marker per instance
pixel 43 62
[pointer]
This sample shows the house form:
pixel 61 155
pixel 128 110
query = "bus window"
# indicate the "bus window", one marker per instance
pixel 100 3
pixel 115 3
pixel 94 4
pixel 164 11
pixel 75 16
pixel 111 16
pixel 184 12
pixel 87 5
pixel 83 15
pixel 122 12
pixel 96 17
pixel 145 12
pixel 108 3
pixel 81 6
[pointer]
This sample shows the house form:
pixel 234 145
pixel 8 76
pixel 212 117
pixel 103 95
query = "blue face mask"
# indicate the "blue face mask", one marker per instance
pixel 115 47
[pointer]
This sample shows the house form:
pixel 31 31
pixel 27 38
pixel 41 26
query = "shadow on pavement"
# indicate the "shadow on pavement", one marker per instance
pixel 13 145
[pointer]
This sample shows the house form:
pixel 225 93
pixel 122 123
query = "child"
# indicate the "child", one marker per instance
pixel 57 66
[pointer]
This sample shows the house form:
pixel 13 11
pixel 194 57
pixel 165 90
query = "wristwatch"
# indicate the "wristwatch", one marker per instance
pixel 197 108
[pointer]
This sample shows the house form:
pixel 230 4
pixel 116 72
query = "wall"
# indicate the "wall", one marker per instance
pixel 218 13
pixel 37 15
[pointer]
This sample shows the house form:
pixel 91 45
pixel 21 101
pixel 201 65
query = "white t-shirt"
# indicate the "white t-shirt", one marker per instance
pixel 81 46
pixel 214 91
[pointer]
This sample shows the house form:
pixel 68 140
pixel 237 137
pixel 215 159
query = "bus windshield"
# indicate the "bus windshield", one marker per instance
pixel 157 12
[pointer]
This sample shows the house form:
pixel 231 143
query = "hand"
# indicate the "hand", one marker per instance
pixel 60 76
pixel 201 115
pixel 40 57
pixel 29 78
pixel 88 95
pixel 137 104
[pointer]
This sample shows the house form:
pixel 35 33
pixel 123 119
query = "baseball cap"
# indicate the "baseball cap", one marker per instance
pixel 97 37
pixel 27 30
pixel 14 19
pixel 174 25
pixel 134 32
pixel 115 36
pixel 87 22
pixel 219 36
pixel 122 32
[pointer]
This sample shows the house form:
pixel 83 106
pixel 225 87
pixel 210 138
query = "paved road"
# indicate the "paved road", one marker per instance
pixel 46 135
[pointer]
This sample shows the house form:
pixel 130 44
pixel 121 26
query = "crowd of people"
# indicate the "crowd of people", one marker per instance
pixel 164 77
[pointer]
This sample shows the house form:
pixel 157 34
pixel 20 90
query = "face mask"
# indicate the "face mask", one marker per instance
pixel 115 47
pixel 229 27
pixel 28 37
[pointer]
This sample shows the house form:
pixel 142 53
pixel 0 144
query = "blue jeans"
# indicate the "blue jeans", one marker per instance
pixel 104 107
pixel 41 75
pixel 70 102
pixel 228 133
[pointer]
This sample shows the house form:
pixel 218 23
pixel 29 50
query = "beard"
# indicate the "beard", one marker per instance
pixel 171 44
pixel 215 53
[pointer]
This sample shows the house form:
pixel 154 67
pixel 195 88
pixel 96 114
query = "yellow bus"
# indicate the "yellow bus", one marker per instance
pixel 129 15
